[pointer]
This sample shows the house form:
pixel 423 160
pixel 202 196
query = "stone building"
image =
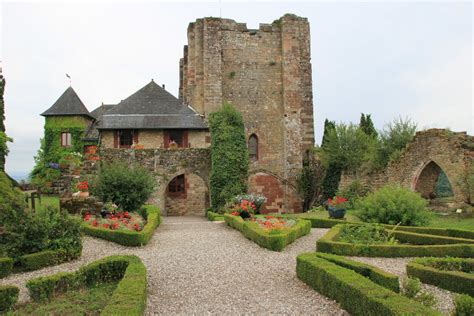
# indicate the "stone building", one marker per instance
pixel 264 73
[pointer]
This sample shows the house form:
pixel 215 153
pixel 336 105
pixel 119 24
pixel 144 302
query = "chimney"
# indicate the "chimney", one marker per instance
pixel 163 86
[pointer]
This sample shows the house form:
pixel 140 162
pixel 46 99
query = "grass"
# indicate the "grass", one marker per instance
pixel 46 200
pixel 350 215
pixel 85 301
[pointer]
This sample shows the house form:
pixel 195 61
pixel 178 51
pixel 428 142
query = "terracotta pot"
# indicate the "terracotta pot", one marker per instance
pixel 84 194
pixel 77 172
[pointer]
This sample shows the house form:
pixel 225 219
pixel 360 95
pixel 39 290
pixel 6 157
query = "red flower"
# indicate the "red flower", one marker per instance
pixel 95 223
pixel 235 213
pixel 83 186
pixel 106 225
pixel 87 217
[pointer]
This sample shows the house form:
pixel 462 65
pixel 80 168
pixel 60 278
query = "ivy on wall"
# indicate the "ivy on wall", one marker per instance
pixel 229 156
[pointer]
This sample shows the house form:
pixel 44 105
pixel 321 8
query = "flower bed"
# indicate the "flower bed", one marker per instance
pixel 454 274
pixel 354 292
pixel 129 234
pixel 274 235
pixel 120 220
pixel 129 298
pixel 421 245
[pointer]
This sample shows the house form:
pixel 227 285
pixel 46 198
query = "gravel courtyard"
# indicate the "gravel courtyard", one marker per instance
pixel 200 267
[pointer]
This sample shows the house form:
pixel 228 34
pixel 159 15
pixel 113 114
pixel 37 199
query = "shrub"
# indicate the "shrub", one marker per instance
pixel 8 297
pixel 229 156
pixel 12 201
pixel 354 292
pixel 370 234
pixel 464 305
pixel 411 288
pixel 127 186
pixel 214 216
pixel 393 205
pixel 6 266
pixel 354 192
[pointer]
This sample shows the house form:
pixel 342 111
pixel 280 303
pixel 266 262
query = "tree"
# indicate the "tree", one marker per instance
pixel 309 181
pixel 367 126
pixel 332 177
pixel 3 136
pixel 229 156
pixel 328 126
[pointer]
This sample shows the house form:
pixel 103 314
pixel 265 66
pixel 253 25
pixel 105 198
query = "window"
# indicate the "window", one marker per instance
pixel 125 138
pixel 253 147
pixel 66 139
pixel 176 138
pixel 177 186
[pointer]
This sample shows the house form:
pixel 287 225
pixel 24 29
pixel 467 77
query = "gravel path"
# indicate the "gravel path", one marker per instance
pixel 200 267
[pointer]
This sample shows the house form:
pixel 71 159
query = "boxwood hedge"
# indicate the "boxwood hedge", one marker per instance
pixel 422 245
pixel 212 216
pixel 428 271
pixel 6 266
pixel 8 297
pixel 354 292
pixel 276 242
pixel 129 298
pixel 128 237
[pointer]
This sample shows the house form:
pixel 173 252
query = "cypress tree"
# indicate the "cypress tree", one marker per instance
pixel 367 126
pixel 333 173
pixel 3 137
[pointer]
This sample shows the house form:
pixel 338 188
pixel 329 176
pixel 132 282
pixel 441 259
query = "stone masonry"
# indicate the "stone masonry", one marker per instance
pixel 266 75
pixel 420 164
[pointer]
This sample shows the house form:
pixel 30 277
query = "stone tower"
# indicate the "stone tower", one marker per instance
pixel 266 75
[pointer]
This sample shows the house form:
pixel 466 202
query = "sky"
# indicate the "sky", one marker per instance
pixel 390 59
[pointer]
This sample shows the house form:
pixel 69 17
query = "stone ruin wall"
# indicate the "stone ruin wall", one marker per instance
pixel 266 75
pixel 452 152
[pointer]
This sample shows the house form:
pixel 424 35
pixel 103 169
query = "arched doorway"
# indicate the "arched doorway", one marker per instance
pixel 186 194
pixel 433 182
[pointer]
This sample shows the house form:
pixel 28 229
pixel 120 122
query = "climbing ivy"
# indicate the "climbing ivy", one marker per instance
pixel 229 156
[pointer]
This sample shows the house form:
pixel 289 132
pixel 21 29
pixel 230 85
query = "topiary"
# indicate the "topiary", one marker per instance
pixel 127 186
pixel 393 204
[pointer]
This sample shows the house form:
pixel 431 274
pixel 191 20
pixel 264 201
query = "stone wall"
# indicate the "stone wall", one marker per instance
pixel 151 139
pixel 266 75
pixel 419 165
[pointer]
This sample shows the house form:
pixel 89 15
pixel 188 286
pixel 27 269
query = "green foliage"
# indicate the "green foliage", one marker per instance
pixel 393 205
pixel 443 186
pixel 453 274
pixel 3 137
pixel 369 234
pixel 309 181
pixel 6 266
pixel 128 237
pixel 129 298
pixel 354 292
pixel 229 156
pixel 273 241
pixel 12 203
pixel 8 297
pixel 354 192
pixel 367 126
pixel 333 170
pixel 35 232
pixel 464 305
pixel 214 216
pixel 385 279
pixel 411 288
pixel 466 182
pixel 127 186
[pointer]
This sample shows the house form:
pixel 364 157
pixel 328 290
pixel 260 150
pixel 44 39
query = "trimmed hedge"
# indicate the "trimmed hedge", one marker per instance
pixel 464 305
pixel 376 275
pixel 354 292
pixel 212 216
pixel 457 281
pixel 275 242
pixel 8 297
pixel 6 266
pixel 329 243
pixel 128 237
pixel 129 298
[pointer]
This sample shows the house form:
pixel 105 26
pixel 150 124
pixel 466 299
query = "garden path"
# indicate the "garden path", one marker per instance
pixel 196 267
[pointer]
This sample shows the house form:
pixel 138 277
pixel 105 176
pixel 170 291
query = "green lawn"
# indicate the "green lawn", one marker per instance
pixel 85 301
pixel 46 200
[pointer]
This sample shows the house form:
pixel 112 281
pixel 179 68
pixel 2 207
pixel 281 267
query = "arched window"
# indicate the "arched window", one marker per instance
pixel 253 147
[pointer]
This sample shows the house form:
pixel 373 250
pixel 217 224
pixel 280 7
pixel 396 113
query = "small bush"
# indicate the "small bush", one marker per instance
pixel 411 288
pixel 8 297
pixel 127 186
pixel 464 305
pixel 369 234
pixel 6 266
pixel 354 192
pixel 394 205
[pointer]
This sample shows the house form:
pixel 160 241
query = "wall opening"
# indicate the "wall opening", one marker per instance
pixel 433 183
pixel 186 194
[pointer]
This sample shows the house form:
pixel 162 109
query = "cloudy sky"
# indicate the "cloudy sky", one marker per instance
pixel 389 59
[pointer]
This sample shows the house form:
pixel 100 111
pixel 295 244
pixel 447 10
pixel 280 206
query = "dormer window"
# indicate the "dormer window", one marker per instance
pixel 66 139
pixel 253 147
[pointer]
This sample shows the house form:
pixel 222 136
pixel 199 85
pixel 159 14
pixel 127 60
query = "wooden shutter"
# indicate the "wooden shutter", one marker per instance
pixel 116 139
pixel 185 139
pixel 167 139
pixel 135 136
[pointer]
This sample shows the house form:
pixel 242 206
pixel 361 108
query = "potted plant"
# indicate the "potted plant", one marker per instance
pixel 245 209
pixel 83 188
pixel 337 207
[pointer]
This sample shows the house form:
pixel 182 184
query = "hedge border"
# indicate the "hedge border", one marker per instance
pixel 129 298
pixel 214 217
pixel 275 242
pixel 6 266
pixel 128 237
pixel 376 275
pixel 329 243
pixel 354 292
pixel 456 281
pixel 8 297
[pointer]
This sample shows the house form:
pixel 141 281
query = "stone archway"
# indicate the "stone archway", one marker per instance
pixel 428 178
pixel 186 194
pixel 281 196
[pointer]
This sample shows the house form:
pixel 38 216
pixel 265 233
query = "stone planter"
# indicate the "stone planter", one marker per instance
pixel 337 213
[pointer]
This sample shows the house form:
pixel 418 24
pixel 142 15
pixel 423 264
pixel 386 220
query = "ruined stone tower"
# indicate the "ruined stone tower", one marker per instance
pixel 266 75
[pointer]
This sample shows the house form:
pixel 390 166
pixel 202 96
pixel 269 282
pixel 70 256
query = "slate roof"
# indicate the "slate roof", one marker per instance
pixel 151 107
pixel 93 133
pixel 67 104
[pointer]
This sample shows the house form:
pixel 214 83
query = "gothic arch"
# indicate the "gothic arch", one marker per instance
pixel 427 177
